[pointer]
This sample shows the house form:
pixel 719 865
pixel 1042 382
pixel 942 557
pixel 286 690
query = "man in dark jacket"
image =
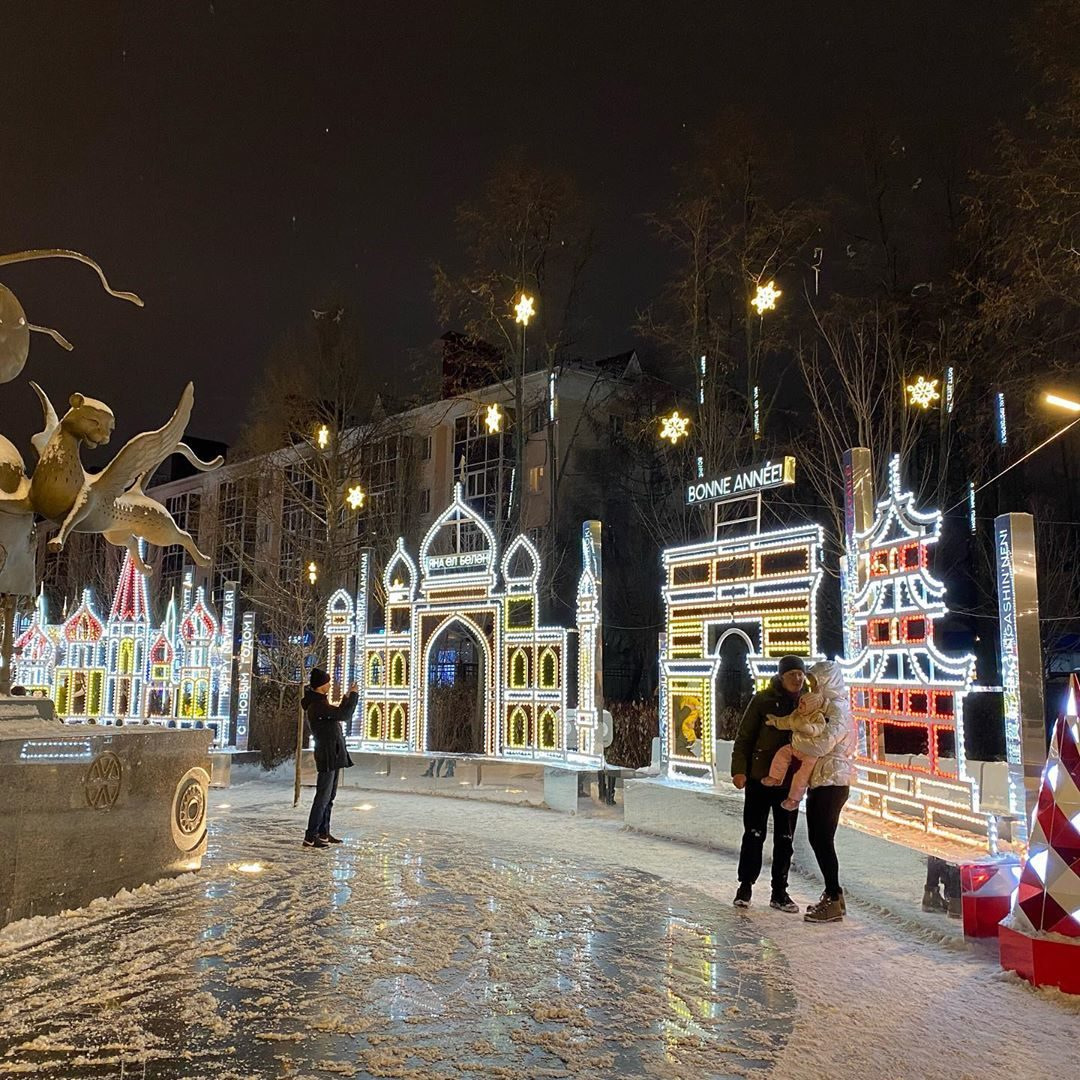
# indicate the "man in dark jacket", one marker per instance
pixel 331 755
pixel 751 756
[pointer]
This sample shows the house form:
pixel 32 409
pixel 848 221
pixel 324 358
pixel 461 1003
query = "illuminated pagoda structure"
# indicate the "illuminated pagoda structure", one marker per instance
pixel 451 630
pixel 900 682
pixel 124 668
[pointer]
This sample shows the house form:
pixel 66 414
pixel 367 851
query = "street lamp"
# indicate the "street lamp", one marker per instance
pixel 1062 402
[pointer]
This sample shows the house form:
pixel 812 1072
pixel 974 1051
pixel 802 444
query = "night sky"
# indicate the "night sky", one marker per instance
pixel 231 161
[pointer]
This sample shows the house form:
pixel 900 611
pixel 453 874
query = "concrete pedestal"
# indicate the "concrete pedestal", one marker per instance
pixel 87 811
pixel 561 790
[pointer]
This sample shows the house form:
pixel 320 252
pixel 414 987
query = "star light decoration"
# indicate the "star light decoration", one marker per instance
pixel 312 573
pixel 674 427
pixel 356 497
pixel 923 392
pixel 494 420
pixel 524 309
pixel 765 298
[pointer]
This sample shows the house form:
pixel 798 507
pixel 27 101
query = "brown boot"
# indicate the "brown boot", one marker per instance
pixel 826 910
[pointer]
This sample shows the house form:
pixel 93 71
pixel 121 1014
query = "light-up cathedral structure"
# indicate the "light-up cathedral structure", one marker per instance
pixel 461 665
pixel 126 667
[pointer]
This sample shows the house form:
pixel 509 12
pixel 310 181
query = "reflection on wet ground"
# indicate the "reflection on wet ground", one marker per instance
pixel 421 956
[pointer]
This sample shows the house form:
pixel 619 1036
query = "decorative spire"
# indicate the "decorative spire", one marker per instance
pixel 131 603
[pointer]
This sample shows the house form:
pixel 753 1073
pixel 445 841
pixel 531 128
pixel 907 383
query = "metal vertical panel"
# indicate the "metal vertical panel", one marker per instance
pixel 1021 659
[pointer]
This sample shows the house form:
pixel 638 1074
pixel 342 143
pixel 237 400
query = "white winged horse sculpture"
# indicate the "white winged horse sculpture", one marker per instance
pixel 112 501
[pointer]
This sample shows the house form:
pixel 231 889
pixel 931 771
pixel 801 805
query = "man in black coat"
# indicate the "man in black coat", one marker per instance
pixel 331 755
pixel 751 756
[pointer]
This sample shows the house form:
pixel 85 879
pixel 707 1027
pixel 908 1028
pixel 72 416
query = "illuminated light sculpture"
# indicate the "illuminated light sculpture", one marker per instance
pixel 523 707
pixel 355 498
pixel 765 298
pixel 760 588
pixel 923 392
pixel 674 427
pixel 1040 939
pixel 494 419
pixel 899 679
pixel 123 668
pixel 524 309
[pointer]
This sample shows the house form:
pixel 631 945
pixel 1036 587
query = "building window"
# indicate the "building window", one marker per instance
pixel 185 512
pixel 536 420
pixel 487 461
pixel 615 428
pixel 425 448
pixel 536 479
pixel 425 500
pixel 238 513
pixel 297 521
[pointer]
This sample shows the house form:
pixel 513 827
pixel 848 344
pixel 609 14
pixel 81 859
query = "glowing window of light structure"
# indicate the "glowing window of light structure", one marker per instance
pixel 675 427
pixel 764 299
pixel 453 589
pixel 923 392
pixel 398 670
pixel 900 679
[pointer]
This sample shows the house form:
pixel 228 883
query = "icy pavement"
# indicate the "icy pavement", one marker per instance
pixel 450 939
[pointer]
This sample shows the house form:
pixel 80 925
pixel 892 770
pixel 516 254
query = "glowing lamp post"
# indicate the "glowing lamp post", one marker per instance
pixel 1062 402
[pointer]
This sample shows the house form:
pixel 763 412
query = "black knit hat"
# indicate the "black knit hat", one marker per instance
pixel 790 663
pixel 318 678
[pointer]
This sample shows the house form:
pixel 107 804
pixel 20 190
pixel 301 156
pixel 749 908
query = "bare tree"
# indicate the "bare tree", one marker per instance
pixel 527 233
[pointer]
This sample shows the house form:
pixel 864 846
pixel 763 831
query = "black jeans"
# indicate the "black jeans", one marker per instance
pixel 823 806
pixel 760 801
pixel 325 789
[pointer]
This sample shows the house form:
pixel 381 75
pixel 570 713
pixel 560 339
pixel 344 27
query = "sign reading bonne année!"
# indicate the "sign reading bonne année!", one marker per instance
pixel 744 482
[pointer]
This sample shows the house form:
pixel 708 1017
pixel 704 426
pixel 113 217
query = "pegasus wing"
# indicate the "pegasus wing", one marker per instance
pixel 51 421
pixel 143 454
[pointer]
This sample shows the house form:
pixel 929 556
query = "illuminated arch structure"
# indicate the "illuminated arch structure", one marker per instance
pixel 525 712
pixel 126 668
pixel 761 588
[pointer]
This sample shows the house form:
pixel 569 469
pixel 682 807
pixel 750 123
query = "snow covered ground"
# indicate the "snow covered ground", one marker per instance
pixel 461 939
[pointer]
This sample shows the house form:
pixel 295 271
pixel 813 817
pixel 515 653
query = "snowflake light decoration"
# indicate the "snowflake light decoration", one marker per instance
pixel 923 392
pixel 355 497
pixel 524 309
pixel 494 420
pixel 765 298
pixel 322 437
pixel 674 427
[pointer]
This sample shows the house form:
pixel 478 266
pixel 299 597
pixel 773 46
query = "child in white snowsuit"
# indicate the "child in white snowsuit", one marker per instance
pixel 806 722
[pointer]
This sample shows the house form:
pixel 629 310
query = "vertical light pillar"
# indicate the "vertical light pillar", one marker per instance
pixel 858 516
pixel 592 544
pixel 225 671
pixel 360 627
pixel 1021 661
pixel 244 668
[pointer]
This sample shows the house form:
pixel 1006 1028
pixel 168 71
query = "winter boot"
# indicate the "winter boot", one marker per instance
pixel 782 902
pixel 826 910
pixel 742 897
pixel 932 900
pixel 823 897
